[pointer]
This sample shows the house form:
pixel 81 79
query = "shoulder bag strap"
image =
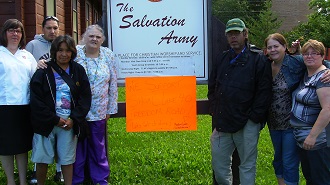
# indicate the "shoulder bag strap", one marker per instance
pixel 65 76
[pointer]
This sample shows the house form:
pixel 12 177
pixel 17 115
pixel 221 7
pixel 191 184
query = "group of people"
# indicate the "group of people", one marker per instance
pixel 56 98
pixel 248 88
pixel 73 92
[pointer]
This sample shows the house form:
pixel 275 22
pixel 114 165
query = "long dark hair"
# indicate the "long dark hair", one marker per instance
pixel 12 24
pixel 56 45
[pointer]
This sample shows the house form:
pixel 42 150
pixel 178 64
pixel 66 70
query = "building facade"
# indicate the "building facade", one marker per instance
pixel 291 13
pixel 74 15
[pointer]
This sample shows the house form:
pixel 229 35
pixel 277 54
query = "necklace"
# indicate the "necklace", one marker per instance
pixel 90 65
pixel 93 55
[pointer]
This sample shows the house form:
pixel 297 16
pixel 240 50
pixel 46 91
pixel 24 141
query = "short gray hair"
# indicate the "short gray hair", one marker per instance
pixel 88 29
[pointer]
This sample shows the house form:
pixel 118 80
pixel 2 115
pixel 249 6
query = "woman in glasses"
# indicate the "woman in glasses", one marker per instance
pixel 16 69
pixel 311 116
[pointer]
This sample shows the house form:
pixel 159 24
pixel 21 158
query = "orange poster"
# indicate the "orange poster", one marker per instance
pixel 161 103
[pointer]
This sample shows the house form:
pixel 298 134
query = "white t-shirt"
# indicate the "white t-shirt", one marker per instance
pixel 15 74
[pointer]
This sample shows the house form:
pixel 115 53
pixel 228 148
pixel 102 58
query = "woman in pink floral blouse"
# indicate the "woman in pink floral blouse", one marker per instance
pixel 101 70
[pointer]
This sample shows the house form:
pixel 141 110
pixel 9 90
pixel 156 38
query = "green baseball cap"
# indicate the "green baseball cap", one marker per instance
pixel 235 24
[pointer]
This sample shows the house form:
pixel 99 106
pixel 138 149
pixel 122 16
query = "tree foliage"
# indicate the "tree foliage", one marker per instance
pixel 257 15
pixel 318 24
pixel 264 24
pixel 225 10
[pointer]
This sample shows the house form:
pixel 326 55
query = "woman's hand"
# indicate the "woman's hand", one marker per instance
pixel 42 64
pixel 325 78
pixel 309 143
pixel 61 123
pixel 68 124
pixel 295 47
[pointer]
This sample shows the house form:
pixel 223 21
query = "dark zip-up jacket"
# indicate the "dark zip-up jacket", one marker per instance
pixel 241 90
pixel 43 99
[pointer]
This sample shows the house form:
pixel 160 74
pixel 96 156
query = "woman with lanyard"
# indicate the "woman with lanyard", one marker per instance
pixel 101 70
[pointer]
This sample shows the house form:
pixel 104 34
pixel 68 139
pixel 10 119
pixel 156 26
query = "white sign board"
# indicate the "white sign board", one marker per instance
pixel 159 37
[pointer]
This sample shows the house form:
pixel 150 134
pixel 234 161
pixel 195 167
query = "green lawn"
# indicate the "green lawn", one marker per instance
pixel 170 157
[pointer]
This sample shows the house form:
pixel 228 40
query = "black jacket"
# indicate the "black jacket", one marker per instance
pixel 43 97
pixel 241 90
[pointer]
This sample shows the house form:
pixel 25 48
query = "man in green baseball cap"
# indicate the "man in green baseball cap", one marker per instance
pixel 239 91
pixel 235 24
pixel 237 34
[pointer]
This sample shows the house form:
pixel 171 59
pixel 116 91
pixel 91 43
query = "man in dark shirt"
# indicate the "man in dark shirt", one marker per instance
pixel 239 91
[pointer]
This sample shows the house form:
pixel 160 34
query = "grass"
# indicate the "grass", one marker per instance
pixel 169 158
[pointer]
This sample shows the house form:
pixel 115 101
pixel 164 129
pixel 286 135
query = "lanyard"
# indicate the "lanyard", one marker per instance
pixel 233 60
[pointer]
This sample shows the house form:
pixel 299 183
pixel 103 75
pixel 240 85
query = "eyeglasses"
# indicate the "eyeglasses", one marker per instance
pixel 310 54
pixel 233 33
pixel 12 31
pixel 51 17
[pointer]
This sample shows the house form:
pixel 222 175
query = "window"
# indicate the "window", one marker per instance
pixel 50 7
pixel 96 16
pixel 75 20
pixel 87 14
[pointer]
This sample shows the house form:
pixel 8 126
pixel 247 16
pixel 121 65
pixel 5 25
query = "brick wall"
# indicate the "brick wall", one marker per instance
pixel 291 12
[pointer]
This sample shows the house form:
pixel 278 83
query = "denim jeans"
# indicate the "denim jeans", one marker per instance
pixel 286 157
pixel 222 148
pixel 315 165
